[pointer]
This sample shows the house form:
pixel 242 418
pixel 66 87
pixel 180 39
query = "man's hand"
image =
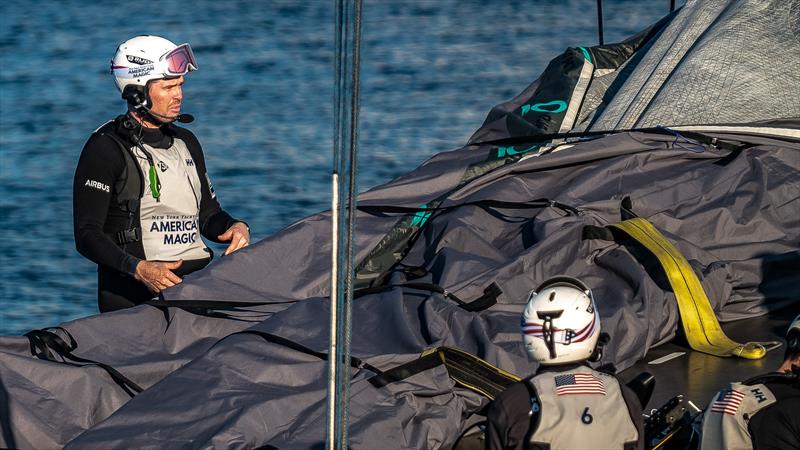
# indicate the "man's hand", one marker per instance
pixel 239 236
pixel 157 275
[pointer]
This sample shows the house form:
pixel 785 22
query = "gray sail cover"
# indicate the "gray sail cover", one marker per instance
pixel 510 208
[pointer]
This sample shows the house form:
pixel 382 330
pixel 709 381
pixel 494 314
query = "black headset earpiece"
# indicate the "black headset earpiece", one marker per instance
pixel 135 96
pixel 597 354
pixel 793 343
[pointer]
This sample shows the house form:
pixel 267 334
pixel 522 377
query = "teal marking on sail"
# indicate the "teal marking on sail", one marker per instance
pixel 502 152
pixel 420 217
pixel 586 54
pixel 557 107
pixel 560 106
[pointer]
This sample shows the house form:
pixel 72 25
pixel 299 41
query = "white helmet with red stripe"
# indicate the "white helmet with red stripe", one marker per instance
pixel 560 323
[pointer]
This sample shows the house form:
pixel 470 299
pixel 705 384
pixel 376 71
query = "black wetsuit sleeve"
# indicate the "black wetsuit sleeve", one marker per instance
pixel 101 163
pixel 635 411
pixel 778 425
pixel 213 219
pixel 508 421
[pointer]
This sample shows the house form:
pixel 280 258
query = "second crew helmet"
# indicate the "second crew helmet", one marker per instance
pixel 793 336
pixel 560 323
pixel 144 58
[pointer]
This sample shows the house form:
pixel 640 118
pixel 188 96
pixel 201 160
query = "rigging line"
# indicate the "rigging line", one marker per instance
pixel 600 21
pixel 696 134
pixel 351 211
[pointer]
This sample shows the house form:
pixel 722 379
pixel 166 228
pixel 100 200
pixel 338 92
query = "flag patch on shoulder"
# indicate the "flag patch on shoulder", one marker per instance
pixel 728 402
pixel 579 383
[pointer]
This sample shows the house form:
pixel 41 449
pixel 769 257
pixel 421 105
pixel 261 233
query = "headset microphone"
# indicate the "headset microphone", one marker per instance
pixel 182 118
pixel 135 96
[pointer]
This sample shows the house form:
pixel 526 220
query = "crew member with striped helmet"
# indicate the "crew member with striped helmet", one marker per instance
pixel 566 404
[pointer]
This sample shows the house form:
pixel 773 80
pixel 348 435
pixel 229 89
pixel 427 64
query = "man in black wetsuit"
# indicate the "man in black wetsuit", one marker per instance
pixel 141 194
pixel 762 413
pixel 566 404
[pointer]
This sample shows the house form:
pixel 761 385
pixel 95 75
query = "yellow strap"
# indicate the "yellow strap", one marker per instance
pixel 472 372
pixel 699 321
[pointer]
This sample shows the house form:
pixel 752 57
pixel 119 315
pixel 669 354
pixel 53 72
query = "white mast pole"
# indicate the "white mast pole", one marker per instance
pixel 343 180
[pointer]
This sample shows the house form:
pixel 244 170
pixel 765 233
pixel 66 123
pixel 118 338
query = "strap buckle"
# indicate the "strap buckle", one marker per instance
pixel 128 236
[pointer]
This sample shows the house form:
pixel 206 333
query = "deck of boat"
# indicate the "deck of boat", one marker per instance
pixel 699 376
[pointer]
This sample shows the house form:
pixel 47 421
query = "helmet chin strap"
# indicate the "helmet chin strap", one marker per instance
pixel 547 329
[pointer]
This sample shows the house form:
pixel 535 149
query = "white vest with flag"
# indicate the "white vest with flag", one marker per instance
pixel 726 418
pixel 581 408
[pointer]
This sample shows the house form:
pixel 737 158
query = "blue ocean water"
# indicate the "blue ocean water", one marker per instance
pixel 263 99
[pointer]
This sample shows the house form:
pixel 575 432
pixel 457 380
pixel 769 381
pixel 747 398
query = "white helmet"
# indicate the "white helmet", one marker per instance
pixel 793 336
pixel 560 323
pixel 144 58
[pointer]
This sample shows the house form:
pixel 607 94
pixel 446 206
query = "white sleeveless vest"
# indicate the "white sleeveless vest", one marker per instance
pixel 170 229
pixel 726 417
pixel 582 409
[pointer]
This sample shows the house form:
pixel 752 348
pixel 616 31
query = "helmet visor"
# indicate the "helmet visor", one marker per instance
pixel 179 61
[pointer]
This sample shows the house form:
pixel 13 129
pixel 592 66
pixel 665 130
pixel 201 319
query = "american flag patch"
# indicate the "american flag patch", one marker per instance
pixel 579 383
pixel 728 402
